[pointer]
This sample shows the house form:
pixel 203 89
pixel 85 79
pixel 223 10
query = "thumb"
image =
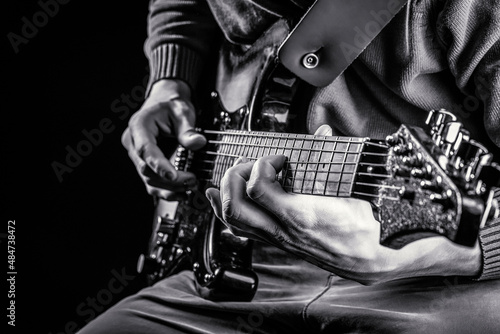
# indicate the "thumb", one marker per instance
pixel 324 130
pixel 191 139
pixel 187 136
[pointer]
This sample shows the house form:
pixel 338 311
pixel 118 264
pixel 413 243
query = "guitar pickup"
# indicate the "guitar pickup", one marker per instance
pixel 167 225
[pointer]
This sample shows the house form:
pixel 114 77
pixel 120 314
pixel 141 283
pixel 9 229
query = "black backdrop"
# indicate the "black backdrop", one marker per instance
pixel 69 68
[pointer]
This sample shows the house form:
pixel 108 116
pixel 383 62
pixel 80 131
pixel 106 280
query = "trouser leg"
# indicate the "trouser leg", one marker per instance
pixel 173 305
pixel 434 305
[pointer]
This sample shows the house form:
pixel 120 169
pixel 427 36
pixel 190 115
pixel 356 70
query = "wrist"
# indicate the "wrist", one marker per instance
pixel 438 257
pixel 170 89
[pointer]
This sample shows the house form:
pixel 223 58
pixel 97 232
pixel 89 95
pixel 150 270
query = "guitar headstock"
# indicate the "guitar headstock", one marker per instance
pixel 441 183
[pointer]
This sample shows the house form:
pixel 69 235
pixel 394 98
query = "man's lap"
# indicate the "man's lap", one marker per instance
pixel 296 297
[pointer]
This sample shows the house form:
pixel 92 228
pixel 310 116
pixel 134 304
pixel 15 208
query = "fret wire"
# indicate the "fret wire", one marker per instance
pixel 291 153
pixel 220 169
pixel 284 172
pixel 246 149
pixel 255 139
pixel 223 160
pixel 317 167
pixel 307 162
pixel 277 145
pixel 343 166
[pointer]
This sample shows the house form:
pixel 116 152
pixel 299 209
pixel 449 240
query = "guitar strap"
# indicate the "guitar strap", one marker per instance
pixel 332 34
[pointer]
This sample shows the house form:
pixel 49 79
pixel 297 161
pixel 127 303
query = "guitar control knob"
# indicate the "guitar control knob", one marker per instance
pixel 436 119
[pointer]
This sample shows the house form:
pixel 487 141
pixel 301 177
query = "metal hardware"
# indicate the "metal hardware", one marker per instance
pixel 310 61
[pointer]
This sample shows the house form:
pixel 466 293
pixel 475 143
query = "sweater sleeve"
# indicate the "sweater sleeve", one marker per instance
pixel 180 36
pixel 470 29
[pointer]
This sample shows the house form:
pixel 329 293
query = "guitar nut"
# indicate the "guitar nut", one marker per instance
pixel 310 61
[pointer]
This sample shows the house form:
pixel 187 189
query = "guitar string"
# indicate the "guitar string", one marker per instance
pixel 326 151
pixel 261 148
pixel 279 135
pixel 290 188
pixel 221 143
pixel 228 164
pixel 369 164
pixel 326 181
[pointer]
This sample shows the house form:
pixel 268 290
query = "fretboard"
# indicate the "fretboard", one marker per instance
pixel 316 165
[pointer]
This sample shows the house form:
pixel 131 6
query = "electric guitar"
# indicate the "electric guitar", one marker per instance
pixel 420 182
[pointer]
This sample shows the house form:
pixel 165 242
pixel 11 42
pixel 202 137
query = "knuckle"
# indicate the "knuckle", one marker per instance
pixel 230 211
pixel 255 190
pixel 135 120
pixel 125 138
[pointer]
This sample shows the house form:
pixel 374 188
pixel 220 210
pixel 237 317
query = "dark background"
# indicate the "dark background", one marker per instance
pixel 72 235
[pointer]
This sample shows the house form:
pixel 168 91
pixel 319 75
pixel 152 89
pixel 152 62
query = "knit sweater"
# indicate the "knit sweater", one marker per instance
pixel 433 54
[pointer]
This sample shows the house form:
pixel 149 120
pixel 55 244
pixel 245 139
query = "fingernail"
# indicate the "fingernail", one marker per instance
pixel 240 160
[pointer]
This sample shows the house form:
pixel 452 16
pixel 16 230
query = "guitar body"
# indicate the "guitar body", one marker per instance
pixel 420 182
pixel 186 234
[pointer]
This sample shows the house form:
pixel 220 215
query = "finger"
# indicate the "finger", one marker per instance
pixel 184 182
pixel 324 130
pixel 237 209
pixel 214 197
pixel 183 120
pixel 144 130
pixel 265 190
pixel 240 160
pixel 126 139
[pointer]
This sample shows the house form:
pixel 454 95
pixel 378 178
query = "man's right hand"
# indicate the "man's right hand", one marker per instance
pixel 167 111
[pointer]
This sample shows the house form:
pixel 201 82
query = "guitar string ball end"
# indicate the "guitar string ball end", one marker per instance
pixel 310 61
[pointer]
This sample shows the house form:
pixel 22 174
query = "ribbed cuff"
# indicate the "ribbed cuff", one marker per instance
pixel 174 61
pixel 489 239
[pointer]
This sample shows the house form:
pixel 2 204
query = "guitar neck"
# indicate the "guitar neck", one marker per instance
pixel 316 165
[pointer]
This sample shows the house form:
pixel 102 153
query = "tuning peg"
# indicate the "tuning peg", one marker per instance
pixel 452 136
pixel 436 119
pixel 470 159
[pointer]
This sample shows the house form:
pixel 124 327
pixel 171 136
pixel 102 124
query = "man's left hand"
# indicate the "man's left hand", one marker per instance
pixel 338 234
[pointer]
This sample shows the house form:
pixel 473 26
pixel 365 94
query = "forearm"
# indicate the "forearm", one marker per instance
pixel 180 36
